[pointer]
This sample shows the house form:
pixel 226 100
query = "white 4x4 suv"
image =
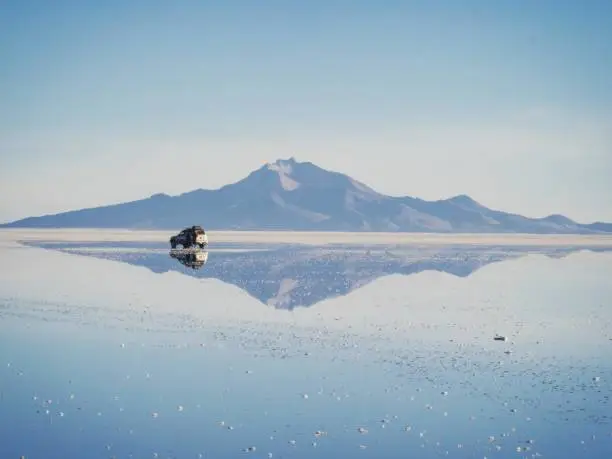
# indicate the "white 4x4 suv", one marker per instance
pixel 189 237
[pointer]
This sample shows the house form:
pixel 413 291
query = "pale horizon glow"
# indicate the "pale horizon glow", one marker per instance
pixel 509 104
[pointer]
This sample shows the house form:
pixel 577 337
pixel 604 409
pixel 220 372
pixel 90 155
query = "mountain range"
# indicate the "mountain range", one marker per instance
pixel 292 277
pixel 300 196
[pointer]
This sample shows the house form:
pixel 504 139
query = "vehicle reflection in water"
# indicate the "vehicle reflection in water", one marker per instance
pixel 193 259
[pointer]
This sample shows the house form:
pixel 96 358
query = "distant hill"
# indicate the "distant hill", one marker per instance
pixel 292 195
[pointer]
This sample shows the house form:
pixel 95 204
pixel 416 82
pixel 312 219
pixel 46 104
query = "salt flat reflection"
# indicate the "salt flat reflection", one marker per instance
pixel 301 276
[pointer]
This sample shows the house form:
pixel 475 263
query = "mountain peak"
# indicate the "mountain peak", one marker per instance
pixel 559 219
pixel 463 200
pixel 291 174
pixel 282 164
pixel 285 168
pixel 290 160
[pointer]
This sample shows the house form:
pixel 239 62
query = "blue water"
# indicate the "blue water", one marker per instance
pixel 131 354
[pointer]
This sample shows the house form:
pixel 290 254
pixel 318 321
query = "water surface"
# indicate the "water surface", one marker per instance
pixel 125 350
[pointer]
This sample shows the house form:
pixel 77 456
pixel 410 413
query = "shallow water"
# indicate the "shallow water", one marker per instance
pixel 122 350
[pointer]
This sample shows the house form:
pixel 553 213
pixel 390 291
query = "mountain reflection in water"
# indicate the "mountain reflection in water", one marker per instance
pixel 301 276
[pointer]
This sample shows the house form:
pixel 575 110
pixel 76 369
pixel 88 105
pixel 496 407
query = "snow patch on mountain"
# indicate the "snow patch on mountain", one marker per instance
pixel 284 169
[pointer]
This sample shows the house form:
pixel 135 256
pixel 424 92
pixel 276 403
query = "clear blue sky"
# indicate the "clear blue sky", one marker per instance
pixel 507 101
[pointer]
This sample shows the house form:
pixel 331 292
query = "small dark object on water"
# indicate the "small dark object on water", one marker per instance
pixel 194 235
pixel 499 338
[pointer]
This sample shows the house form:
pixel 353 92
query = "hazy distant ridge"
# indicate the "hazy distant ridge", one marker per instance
pixel 292 195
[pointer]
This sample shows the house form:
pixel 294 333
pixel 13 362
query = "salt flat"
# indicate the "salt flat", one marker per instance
pixel 118 341
pixel 306 237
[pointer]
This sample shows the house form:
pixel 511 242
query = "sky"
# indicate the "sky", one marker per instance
pixel 509 102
